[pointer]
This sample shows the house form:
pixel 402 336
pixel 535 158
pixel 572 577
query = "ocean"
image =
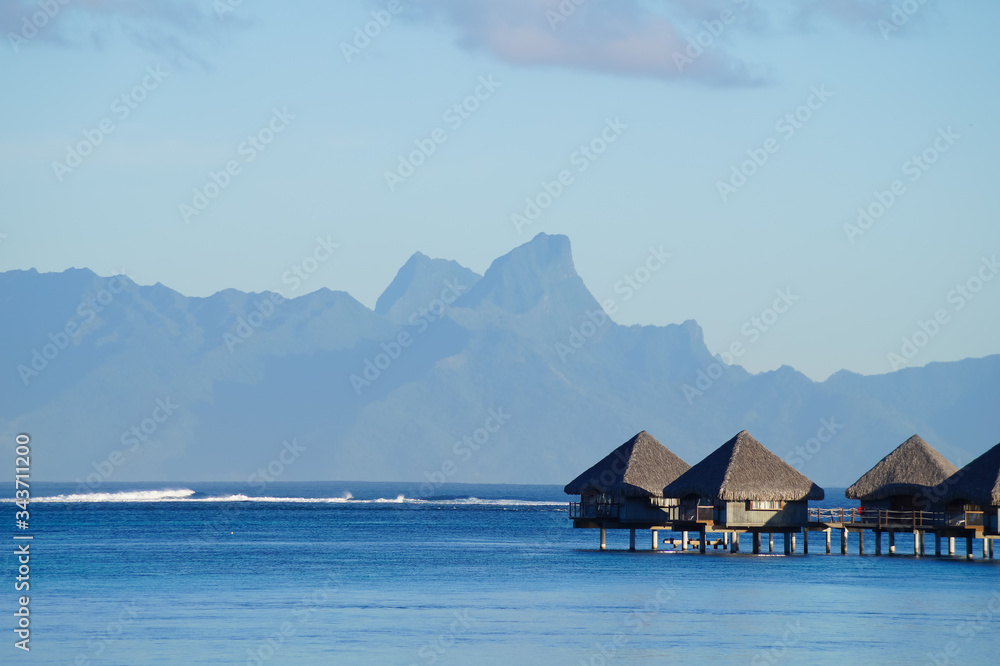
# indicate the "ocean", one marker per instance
pixel 361 573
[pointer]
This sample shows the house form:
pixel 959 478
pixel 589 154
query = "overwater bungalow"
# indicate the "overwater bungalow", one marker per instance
pixel 974 491
pixel 742 486
pixel 909 479
pixel 624 490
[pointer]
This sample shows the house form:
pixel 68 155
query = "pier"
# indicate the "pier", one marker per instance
pixel 742 488
pixel 943 530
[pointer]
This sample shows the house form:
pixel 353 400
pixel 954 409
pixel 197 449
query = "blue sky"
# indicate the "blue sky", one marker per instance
pixel 869 91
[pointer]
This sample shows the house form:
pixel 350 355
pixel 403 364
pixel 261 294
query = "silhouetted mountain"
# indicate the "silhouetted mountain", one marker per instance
pixel 517 376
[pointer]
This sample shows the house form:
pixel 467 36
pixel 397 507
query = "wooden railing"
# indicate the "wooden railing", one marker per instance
pixel 599 510
pixel 884 518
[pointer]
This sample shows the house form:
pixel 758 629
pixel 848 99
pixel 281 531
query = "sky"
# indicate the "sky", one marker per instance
pixel 820 173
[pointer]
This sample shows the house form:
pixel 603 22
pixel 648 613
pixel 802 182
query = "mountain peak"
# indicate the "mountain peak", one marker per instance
pixel 419 282
pixel 539 272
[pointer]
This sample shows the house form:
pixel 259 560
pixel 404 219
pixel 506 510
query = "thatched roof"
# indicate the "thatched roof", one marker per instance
pixel 743 469
pixel 638 468
pixel 979 481
pixel 912 468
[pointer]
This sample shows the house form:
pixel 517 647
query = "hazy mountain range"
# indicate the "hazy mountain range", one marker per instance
pixel 515 376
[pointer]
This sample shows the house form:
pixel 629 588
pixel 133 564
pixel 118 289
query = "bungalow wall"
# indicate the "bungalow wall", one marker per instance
pixel 740 514
pixel 646 510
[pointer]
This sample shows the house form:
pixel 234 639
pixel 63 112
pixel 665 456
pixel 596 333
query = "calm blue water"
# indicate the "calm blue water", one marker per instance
pixel 200 576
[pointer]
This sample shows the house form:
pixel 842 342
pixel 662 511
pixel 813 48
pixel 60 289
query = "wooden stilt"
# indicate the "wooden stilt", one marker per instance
pixel 878 541
pixel 986 548
pixel 702 540
pixel 892 542
pixel 828 531
pixel 793 541
pixel 788 543
pixel 756 543
pixel 805 542
pixel 923 543
pixel 736 542
pixel 937 544
pixel 684 540
pixel 655 537
pixel 916 542
pixel 604 543
pixel 843 541
pixel 991 549
pixel 951 545
pixel 770 542
pixel 725 539
pixel 631 539
pixel 968 548
pixel 861 542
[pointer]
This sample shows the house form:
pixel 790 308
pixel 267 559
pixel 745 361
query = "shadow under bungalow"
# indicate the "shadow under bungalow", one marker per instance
pixel 742 488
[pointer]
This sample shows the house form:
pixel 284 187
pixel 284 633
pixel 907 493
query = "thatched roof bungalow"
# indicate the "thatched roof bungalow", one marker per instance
pixel 904 480
pixel 977 487
pixel 627 484
pixel 743 484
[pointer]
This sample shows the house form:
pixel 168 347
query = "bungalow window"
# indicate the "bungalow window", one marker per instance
pixel 765 505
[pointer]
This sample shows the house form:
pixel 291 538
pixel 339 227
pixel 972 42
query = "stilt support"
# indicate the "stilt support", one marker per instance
pixel 684 540
pixel 861 542
pixel 788 543
pixel 828 532
pixel 631 539
pixel 937 544
pixel 756 543
pixel 655 537
pixel 604 542
pixel 878 542
pixel 892 542
pixel 986 547
pixel 968 548
pixel 702 540
pixel 916 543
pixel 951 545
pixel 843 541
pixel 805 542
pixel 770 542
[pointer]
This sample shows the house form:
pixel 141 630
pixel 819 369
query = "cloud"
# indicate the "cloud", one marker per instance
pixel 179 30
pixel 645 38
pixel 625 38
